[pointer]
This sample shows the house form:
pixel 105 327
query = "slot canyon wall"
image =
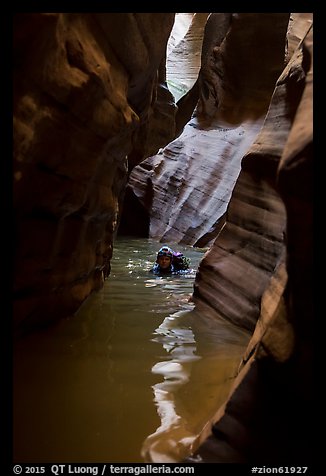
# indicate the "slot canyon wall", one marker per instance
pixel 86 102
pixel 233 174
pixel 242 171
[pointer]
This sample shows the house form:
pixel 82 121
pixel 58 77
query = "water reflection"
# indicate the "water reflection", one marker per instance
pixel 197 371
pixel 172 435
pixel 132 377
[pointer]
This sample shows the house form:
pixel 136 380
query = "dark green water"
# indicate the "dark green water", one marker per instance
pixel 134 376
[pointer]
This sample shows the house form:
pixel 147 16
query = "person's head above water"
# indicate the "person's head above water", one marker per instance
pixel 164 257
pixel 170 262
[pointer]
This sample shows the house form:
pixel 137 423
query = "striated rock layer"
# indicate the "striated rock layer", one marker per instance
pixel 262 422
pixel 184 60
pixel 90 104
pixel 187 187
pixel 252 241
pixel 239 179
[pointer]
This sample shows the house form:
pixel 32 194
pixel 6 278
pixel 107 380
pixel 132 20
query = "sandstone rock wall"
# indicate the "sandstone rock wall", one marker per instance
pixel 90 104
pixel 264 420
pixel 187 187
pixel 84 96
pixel 239 179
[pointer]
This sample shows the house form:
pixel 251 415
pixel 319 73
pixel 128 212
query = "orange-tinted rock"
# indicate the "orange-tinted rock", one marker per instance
pixel 82 91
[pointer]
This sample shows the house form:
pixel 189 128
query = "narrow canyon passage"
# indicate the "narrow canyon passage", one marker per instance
pixel 133 377
pixel 193 129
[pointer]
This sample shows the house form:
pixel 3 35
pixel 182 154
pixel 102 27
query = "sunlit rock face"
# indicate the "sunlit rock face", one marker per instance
pixel 184 59
pixel 187 187
pixel 85 96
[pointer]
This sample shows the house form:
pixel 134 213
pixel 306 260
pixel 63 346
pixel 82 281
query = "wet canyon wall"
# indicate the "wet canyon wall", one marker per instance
pixel 91 106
